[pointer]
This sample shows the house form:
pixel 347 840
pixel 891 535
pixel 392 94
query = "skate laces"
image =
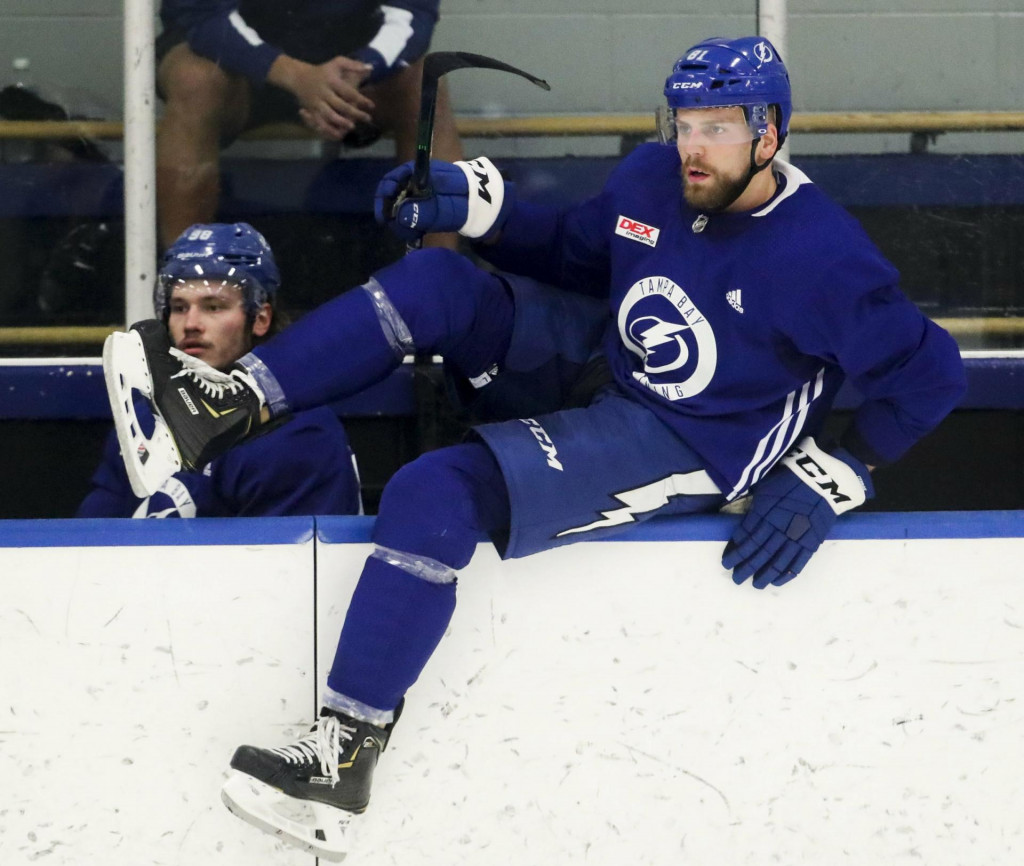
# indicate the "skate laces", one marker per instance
pixel 322 744
pixel 212 381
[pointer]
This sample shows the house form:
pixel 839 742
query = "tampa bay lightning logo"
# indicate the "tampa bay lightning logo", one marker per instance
pixel 660 324
pixel 763 52
pixel 662 342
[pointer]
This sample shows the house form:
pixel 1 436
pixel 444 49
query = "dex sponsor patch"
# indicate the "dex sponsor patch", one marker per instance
pixel 637 231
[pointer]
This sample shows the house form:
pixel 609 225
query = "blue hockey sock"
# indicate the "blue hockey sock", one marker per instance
pixel 336 350
pixel 452 307
pixel 431 301
pixel 433 514
pixel 394 623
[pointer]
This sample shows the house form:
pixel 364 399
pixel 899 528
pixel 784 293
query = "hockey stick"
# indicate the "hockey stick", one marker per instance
pixel 435 65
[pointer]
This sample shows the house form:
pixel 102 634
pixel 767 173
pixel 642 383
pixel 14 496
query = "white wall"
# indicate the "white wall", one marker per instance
pixel 607 56
pixel 127 674
pixel 611 702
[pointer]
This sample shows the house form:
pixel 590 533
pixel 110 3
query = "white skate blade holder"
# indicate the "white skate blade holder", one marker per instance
pixel 315 827
pixel 149 460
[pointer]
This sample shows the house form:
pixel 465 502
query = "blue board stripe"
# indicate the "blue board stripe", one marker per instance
pixel 125 532
pixel 718 527
pixel 118 532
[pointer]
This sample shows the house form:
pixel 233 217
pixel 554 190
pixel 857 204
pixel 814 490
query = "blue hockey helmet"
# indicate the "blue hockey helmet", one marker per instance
pixel 720 72
pixel 219 253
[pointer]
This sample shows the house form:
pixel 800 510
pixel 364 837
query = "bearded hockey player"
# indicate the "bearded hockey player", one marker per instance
pixel 684 332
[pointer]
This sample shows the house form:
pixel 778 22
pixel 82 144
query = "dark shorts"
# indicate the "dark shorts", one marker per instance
pixel 591 470
pixel 271 104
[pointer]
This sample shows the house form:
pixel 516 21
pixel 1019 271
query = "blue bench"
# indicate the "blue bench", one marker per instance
pixel 345 186
pixel 74 389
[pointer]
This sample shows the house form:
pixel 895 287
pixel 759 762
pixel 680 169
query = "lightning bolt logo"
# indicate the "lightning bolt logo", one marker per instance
pixel 651 497
pixel 663 327
pixel 661 333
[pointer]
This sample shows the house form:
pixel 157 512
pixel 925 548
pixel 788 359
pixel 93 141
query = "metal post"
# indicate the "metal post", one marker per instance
pixel 139 160
pixel 772 24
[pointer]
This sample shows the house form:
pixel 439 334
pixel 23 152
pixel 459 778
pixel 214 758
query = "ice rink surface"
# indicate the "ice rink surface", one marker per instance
pixel 607 703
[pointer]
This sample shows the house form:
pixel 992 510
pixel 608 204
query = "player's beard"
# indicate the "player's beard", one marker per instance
pixel 716 193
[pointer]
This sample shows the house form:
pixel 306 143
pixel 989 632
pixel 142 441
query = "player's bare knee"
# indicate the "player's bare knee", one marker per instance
pixel 195 85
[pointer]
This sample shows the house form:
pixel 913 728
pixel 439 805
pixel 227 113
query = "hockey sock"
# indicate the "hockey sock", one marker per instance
pixel 443 503
pixel 452 307
pixel 433 513
pixel 333 351
pixel 394 623
pixel 431 301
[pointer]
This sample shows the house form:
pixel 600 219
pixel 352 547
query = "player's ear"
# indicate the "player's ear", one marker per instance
pixel 768 144
pixel 261 322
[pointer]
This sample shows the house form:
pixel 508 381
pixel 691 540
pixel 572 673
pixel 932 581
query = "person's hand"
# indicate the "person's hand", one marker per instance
pixel 792 511
pixel 470 198
pixel 331 103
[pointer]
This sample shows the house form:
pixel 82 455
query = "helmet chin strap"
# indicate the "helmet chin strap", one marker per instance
pixel 754 167
pixel 752 170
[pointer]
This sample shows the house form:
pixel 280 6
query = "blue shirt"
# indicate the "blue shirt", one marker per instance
pixel 246 36
pixel 737 329
pixel 301 467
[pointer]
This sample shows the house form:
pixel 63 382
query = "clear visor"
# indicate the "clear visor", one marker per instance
pixel 211 289
pixel 707 126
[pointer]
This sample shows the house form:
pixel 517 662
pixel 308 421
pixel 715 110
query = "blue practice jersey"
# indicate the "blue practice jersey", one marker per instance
pixel 738 329
pixel 247 36
pixel 302 467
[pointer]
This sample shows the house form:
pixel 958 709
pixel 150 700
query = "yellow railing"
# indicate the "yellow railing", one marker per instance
pixel 94 335
pixel 542 125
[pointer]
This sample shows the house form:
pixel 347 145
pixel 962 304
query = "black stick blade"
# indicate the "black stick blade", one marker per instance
pixel 440 63
pixel 436 64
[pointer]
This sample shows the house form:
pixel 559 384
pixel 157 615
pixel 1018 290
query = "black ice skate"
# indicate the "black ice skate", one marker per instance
pixel 200 412
pixel 308 793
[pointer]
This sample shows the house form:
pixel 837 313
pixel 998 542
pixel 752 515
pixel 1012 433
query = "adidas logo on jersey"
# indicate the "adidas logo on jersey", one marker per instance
pixel 734 300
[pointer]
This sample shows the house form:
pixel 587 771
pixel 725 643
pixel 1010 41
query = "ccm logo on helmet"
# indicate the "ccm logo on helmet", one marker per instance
pixel 686 85
pixel 637 231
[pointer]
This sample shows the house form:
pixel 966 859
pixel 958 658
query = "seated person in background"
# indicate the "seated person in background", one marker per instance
pixel 348 69
pixel 216 292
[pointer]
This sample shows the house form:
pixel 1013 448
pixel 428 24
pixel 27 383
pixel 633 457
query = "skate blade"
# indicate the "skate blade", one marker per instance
pixel 148 460
pixel 314 827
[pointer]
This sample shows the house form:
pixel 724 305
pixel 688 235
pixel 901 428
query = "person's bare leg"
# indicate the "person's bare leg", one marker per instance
pixel 398 106
pixel 204 106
